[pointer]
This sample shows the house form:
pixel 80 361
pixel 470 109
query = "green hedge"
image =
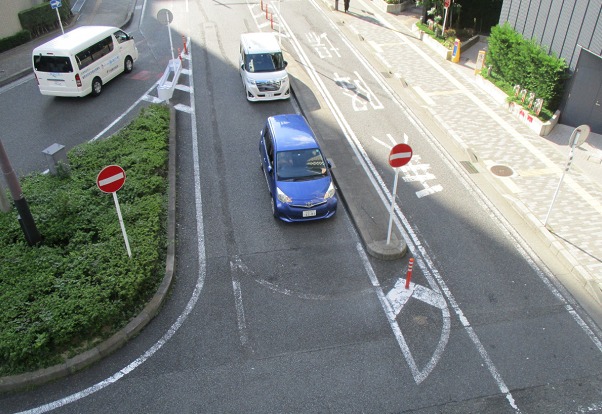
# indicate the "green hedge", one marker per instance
pixel 42 18
pixel 524 62
pixel 15 40
pixel 79 286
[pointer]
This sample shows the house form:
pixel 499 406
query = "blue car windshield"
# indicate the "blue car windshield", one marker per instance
pixel 297 165
pixel 264 62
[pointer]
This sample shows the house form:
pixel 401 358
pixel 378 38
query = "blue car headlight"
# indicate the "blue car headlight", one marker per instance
pixel 283 198
pixel 329 192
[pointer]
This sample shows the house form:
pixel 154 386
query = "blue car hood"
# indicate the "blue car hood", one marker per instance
pixel 305 190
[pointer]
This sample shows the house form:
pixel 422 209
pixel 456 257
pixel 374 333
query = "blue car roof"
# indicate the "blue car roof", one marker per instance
pixel 291 132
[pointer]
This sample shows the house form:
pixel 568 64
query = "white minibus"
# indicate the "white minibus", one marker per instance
pixel 263 68
pixel 81 61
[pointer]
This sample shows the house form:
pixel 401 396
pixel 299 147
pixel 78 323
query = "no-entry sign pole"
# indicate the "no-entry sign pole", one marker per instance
pixel 399 156
pixel 109 180
pixel 392 206
pixel 125 236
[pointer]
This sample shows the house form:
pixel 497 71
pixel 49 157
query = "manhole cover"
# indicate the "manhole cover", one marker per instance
pixel 501 171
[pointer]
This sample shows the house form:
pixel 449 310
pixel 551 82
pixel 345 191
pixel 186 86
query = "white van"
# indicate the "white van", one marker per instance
pixel 81 61
pixel 263 68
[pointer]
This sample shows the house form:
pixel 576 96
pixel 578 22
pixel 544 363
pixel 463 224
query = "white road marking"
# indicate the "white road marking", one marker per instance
pixel 240 310
pixel 127 111
pixel 414 245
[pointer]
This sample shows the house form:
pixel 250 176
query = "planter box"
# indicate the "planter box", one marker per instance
pixel 538 126
pixel 392 8
pixel 437 47
pixel 535 124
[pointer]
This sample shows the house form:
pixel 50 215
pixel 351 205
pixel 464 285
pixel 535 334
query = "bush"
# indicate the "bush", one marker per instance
pixel 79 286
pixel 15 40
pixel 524 62
pixel 42 18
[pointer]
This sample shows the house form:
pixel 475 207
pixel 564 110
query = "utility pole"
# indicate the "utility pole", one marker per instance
pixel 32 235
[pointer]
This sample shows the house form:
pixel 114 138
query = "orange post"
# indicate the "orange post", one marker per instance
pixel 272 20
pixel 261 4
pixel 409 275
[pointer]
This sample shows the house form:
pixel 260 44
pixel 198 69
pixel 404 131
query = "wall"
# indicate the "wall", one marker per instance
pixel 9 19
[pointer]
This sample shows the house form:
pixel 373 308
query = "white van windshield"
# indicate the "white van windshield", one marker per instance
pixel 264 62
pixel 55 64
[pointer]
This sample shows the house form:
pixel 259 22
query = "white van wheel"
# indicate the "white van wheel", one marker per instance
pixel 96 86
pixel 128 65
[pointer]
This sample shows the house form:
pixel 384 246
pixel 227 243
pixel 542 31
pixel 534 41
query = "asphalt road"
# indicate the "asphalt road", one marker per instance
pixel 269 317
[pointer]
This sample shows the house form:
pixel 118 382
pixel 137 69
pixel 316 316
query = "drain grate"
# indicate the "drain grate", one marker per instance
pixel 469 167
pixel 501 171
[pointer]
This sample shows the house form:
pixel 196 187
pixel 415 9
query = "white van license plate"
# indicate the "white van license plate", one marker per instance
pixel 309 213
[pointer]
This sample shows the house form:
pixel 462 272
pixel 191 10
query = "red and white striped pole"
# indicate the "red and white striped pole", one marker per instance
pixel 409 275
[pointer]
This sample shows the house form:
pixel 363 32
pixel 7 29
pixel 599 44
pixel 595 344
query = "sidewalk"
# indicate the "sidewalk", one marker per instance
pixel 524 167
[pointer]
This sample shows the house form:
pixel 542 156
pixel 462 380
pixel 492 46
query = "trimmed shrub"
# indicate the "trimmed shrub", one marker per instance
pixel 15 40
pixel 79 286
pixel 42 18
pixel 524 62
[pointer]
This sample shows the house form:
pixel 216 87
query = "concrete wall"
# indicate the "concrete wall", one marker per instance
pixel 560 26
pixel 9 19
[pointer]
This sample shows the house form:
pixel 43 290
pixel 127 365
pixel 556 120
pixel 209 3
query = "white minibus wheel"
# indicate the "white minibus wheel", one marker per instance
pixel 96 86
pixel 128 65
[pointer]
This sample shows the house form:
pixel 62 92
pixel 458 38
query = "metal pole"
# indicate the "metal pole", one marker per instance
pixel 125 236
pixel 568 165
pixel 393 196
pixel 169 31
pixel 60 22
pixel 28 225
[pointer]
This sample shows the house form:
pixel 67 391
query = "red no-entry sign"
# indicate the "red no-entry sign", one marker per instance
pixel 400 155
pixel 110 179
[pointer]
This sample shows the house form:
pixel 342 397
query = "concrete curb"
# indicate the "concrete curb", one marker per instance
pixel 133 328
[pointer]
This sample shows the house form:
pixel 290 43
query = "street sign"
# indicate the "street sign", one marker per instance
pixel 55 4
pixel 164 16
pixel 400 155
pixel 110 179
pixel 579 135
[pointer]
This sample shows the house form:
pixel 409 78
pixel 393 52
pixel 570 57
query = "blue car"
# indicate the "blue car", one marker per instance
pixel 296 171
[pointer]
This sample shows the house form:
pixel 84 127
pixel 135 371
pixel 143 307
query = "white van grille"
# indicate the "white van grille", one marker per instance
pixel 268 86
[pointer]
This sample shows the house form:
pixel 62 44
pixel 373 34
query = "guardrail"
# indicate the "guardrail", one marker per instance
pixel 169 79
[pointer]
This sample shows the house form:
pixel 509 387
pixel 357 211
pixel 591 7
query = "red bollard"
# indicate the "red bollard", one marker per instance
pixel 179 54
pixel 272 20
pixel 409 276
pixel 185 47
pixel 266 10
pixel 261 4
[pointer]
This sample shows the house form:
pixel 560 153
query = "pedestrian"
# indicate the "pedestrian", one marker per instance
pixel 346 5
